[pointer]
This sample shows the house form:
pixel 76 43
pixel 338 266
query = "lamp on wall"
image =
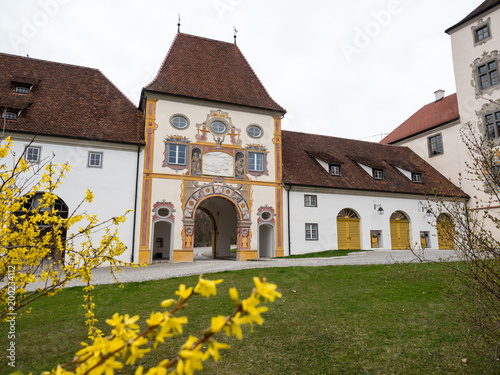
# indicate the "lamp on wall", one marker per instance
pixel 378 208
pixel 428 213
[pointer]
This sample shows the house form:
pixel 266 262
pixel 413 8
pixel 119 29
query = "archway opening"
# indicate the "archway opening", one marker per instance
pixel 222 225
pixel 162 240
pixel 266 241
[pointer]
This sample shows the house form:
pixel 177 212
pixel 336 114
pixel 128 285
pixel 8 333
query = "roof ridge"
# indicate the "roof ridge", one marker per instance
pixel 47 61
pixel 342 138
pixel 256 76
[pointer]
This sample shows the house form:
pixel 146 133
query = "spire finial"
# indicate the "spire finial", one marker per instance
pixel 179 23
pixel 235 31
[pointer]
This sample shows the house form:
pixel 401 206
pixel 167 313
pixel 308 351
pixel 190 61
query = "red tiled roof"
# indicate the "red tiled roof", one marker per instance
pixel 301 168
pixel 67 101
pixel 207 69
pixel 485 6
pixel 426 118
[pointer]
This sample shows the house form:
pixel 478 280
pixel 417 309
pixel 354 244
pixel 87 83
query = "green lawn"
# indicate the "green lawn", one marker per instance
pixel 374 319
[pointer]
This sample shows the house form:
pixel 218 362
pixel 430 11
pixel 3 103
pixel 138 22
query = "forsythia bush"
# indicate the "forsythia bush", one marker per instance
pixel 126 344
pixel 37 251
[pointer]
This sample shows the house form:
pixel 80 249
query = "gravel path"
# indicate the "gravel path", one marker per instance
pixel 203 265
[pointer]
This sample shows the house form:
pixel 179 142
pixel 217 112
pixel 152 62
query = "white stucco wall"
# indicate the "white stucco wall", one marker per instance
pixel 471 102
pixel 452 162
pixel 330 202
pixel 113 185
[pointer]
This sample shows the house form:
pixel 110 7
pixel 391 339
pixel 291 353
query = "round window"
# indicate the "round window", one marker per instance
pixel 163 212
pixel 179 122
pixel 254 131
pixel 218 127
pixel 266 215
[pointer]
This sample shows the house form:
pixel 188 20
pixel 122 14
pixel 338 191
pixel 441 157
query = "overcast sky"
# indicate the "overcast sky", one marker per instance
pixel 351 69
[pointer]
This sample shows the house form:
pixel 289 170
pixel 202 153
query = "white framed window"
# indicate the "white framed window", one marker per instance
pixel 177 154
pixel 334 169
pixel 310 200
pixel 95 159
pixel 378 174
pixel 311 231
pixel 32 154
pixel 179 121
pixel 254 131
pixel 255 162
pixel 22 90
pixel 218 127
pixel 416 177
pixel 435 145
pixel 9 115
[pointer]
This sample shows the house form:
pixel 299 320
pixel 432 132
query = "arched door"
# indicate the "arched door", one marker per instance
pixel 348 230
pixel 446 232
pixel 266 241
pixel 400 231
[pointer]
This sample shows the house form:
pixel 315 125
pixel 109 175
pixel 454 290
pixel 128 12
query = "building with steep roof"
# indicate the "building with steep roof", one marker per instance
pixel 207 138
pixel 349 194
pixel 434 131
pixel 71 114
pixel 213 143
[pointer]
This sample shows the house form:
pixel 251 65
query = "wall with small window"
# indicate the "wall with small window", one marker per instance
pixel 106 169
pixel 442 148
pixel 316 229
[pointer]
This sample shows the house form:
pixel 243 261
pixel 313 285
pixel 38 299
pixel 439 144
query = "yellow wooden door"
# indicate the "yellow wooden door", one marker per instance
pixel 445 229
pixel 348 234
pixel 400 231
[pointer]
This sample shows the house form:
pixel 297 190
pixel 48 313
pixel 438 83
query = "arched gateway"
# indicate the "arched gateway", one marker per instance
pixel 229 210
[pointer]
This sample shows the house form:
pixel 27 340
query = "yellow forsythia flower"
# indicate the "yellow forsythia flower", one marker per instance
pixel 207 287
pixel 266 290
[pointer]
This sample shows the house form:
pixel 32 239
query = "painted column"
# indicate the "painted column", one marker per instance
pixel 279 190
pixel 145 226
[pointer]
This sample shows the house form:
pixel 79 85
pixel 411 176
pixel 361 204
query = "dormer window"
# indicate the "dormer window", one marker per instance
pixel 416 177
pixel 378 174
pixel 22 90
pixel 334 169
pixel 9 115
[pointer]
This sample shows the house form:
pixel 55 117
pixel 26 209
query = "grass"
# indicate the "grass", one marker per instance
pixel 325 254
pixel 374 319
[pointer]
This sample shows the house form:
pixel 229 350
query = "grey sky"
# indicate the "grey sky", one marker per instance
pixel 344 68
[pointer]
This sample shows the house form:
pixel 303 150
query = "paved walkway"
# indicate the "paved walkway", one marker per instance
pixel 204 264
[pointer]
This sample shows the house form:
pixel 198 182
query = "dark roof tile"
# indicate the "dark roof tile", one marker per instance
pixel 207 69
pixel 301 168
pixel 484 7
pixel 426 118
pixel 67 101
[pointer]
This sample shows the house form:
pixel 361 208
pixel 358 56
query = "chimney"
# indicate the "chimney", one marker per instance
pixel 439 95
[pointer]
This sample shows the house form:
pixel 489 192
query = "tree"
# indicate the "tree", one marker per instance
pixel 37 247
pixel 475 231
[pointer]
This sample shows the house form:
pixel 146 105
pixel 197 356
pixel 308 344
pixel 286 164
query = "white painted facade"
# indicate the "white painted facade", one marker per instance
pixel 113 184
pixel 366 204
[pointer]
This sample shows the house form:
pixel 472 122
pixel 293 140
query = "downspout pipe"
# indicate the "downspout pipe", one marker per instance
pixel 135 203
pixel 288 187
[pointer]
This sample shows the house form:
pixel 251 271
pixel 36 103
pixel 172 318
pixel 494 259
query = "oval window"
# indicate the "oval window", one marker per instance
pixel 266 215
pixel 218 127
pixel 179 122
pixel 163 212
pixel 254 131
